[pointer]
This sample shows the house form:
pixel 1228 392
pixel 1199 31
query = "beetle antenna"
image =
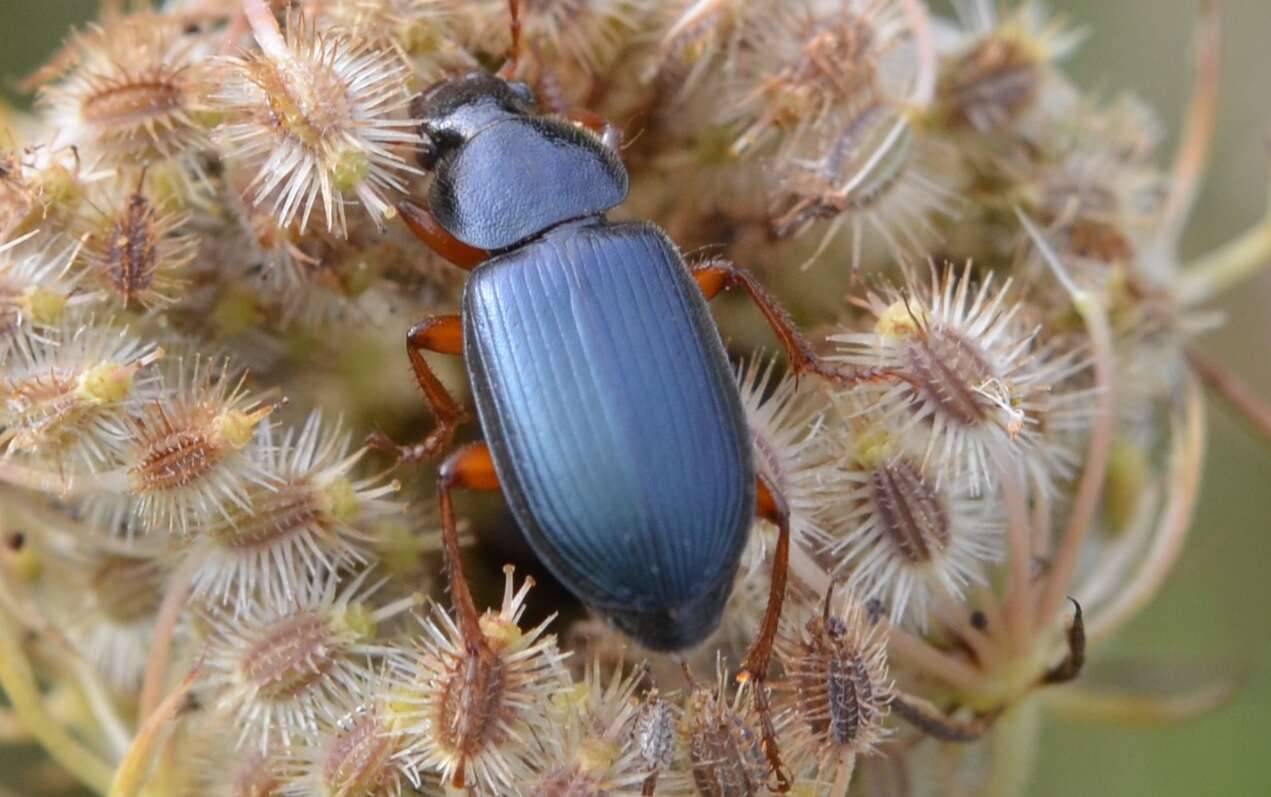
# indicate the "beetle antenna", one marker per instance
pixel 514 52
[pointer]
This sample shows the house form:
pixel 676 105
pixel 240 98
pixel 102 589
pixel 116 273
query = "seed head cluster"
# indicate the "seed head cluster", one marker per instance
pixel 204 286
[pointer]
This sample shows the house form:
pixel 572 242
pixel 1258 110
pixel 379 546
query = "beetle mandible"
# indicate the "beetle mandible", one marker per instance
pixel 612 422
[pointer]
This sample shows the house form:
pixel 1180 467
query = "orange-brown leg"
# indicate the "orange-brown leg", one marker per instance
pixel 771 506
pixel 469 468
pixel 714 276
pixel 442 334
pixel 421 222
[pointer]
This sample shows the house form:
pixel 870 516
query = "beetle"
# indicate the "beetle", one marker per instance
pixel 611 419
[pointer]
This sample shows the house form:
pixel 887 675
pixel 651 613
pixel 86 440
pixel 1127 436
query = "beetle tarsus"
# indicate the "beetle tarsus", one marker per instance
pixel 437 441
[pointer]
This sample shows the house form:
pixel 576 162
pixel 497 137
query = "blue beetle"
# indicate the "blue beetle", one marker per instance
pixel 612 422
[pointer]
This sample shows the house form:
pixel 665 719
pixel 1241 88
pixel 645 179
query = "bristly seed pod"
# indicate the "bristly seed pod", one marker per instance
pixel 316 116
pixel 354 755
pixel 836 690
pixel 66 398
pixel 903 535
pixel 114 625
pixel 187 459
pixel 589 747
pixel 1000 72
pixel 37 286
pixel 468 715
pixel 785 426
pixel 278 669
pixel 985 393
pixel 138 253
pixel 136 92
pixel 724 741
pixel 298 527
pixel 805 64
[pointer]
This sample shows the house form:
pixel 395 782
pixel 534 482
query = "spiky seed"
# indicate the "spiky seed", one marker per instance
pixel 589 748
pixel 308 520
pixel 316 117
pixel 836 690
pixel 961 365
pixel 903 535
pixel 135 94
pixel 112 623
pixel 278 669
pixel 724 742
pixel 66 396
pixel 467 713
pixel 138 256
pixel 187 460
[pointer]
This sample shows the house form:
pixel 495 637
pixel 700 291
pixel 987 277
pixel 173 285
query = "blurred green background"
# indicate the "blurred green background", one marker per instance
pixel 1216 607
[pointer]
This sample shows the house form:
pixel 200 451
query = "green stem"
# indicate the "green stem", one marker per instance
pixel 1227 266
pixel 18 682
pixel 1016 741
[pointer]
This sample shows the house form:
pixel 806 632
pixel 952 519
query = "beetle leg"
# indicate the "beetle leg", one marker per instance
pixel 421 222
pixel 442 334
pixel 469 468
pixel 771 506
pixel 714 276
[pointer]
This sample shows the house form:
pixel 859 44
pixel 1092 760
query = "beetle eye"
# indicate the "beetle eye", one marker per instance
pixel 426 152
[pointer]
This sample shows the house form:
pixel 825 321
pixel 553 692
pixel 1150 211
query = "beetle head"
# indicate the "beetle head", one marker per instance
pixel 454 110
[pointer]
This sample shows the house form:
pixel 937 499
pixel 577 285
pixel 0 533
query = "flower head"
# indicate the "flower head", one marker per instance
pixel 137 90
pixel 470 716
pixel 317 116
pixel 187 456
pixel 278 668
pixel 303 523
pixel 835 692
pixel 965 370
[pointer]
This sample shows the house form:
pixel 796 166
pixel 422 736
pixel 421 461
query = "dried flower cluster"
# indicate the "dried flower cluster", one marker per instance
pixel 203 291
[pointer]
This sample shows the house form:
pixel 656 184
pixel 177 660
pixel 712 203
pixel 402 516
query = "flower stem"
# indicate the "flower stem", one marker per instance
pixel 134 769
pixel 1187 457
pixel 1198 125
pixel 1018 601
pixel 1016 739
pixel 1090 487
pixel 19 684
pixel 1229 265
pixel 174 599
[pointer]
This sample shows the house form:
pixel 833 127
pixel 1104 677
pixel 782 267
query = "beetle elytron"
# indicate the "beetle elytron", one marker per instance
pixel 612 421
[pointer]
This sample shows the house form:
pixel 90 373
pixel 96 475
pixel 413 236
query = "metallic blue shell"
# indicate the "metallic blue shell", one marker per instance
pixel 520 176
pixel 615 425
